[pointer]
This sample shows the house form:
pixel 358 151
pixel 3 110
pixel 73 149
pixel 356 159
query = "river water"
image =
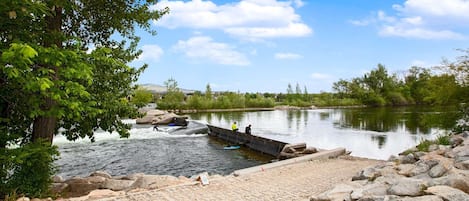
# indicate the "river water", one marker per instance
pixel 367 132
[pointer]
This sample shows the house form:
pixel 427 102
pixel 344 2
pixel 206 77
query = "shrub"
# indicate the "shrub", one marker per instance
pixel 424 145
pixel 443 140
pixel 27 170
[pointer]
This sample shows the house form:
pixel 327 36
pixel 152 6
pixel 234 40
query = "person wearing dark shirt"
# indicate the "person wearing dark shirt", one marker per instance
pixel 248 129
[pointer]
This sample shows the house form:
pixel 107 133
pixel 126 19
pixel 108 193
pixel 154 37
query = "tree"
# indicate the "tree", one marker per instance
pixel 67 86
pixel 174 98
pixel 142 97
pixel 50 79
pixel 208 92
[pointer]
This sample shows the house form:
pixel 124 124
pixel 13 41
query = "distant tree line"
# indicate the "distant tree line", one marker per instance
pixel 443 85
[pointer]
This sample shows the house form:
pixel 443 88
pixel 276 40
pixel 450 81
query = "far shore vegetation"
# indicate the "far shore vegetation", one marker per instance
pixel 447 84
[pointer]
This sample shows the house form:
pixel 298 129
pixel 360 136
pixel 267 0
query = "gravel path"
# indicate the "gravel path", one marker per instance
pixel 291 182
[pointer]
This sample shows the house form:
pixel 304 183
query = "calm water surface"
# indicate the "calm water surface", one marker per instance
pixel 368 132
pixel 373 133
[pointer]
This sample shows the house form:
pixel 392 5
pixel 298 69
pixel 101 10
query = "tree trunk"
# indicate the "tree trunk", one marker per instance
pixel 44 127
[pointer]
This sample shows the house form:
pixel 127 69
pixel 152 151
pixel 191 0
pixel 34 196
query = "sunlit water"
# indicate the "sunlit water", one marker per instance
pixel 371 133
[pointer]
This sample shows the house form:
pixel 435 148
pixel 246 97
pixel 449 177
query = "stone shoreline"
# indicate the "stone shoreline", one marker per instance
pixel 440 174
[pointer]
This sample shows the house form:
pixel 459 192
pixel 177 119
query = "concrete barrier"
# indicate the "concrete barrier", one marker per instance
pixel 316 156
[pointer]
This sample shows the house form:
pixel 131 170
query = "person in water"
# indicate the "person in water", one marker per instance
pixel 234 127
pixel 155 127
pixel 248 129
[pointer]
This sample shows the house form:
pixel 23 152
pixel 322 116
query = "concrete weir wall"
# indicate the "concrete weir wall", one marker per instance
pixel 263 145
pixel 316 156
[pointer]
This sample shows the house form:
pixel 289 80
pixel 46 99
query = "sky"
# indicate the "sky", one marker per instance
pixel 264 45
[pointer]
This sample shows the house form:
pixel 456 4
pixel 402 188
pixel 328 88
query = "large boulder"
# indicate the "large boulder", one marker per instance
pixel 118 185
pixel 149 116
pixel 407 187
pixel 448 193
pixel 79 187
pixel 156 181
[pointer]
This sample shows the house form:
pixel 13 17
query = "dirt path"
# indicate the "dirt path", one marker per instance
pixel 291 182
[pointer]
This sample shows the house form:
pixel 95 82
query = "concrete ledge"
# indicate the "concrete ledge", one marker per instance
pixel 316 156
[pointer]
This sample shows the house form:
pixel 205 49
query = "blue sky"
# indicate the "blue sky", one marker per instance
pixel 263 45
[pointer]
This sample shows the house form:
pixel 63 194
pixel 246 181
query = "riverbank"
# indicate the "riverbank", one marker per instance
pixel 296 181
pixel 440 174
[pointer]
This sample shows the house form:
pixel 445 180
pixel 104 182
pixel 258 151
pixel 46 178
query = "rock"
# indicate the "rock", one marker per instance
pixel 309 150
pixel 458 181
pixel 419 154
pixel 101 174
pixel 405 169
pixel 371 190
pixel 155 181
pixel 339 192
pixel 464 165
pixel 57 179
pixel 118 185
pixel 96 179
pixel 456 140
pixel 393 158
pixel 407 187
pixel 407 159
pixel 57 188
pixel 79 187
pixel 448 193
pixel 438 171
pixel 432 147
pixel 149 116
pixel 134 176
pixel 420 168
pixel 23 199
pixel 103 193
pixel 369 173
pixel 422 198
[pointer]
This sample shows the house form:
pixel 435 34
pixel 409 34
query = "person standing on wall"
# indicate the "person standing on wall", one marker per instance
pixel 234 127
pixel 248 129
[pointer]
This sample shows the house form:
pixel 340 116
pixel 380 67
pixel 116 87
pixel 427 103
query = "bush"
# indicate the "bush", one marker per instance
pixel 443 140
pixel 27 170
pixel 462 124
pixel 424 145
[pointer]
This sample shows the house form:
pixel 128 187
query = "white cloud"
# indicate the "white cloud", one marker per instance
pixel 151 52
pixel 320 76
pixel 202 47
pixel 287 56
pixel 438 8
pixel 408 32
pixel 246 19
pixel 423 19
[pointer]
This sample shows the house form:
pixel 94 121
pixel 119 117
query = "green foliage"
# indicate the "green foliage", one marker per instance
pixel 50 80
pixel 424 145
pixel 142 97
pixel 174 98
pixel 462 123
pixel 27 169
pixel 443 140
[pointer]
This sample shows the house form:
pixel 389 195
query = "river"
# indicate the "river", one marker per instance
pixel 366 132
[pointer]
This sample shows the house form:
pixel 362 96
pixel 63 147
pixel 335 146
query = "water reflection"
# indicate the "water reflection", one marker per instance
pixel 416 120
pixel 368 132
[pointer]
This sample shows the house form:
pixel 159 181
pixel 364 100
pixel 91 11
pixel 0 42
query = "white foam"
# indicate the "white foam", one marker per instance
pixel 135 133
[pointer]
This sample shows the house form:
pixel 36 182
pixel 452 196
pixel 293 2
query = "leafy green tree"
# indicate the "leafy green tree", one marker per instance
pixel 174 97
pixel 208 92
pixel 50 79
pixel 142 97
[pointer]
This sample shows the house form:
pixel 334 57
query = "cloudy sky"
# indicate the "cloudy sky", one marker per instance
pixel 263 45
